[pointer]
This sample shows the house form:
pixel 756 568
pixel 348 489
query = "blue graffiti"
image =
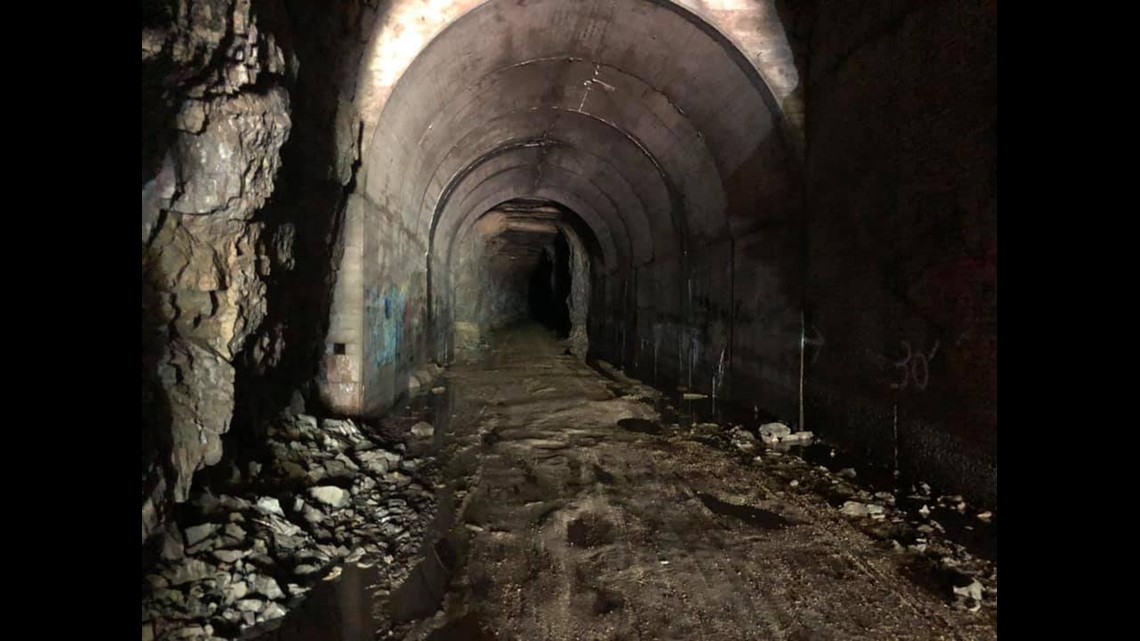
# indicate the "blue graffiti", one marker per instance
pixel 388 316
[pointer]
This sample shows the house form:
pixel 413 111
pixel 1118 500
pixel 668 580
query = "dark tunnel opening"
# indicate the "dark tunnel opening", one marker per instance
pixel 549 288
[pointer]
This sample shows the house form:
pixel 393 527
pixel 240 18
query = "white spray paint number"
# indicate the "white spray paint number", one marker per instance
pixel 915 368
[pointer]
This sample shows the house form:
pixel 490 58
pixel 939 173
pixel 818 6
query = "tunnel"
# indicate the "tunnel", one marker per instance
pixel 448 298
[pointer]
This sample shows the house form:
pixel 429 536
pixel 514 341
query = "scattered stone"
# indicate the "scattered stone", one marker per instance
pixel 269 505
pixel 345 428
pixel 190 570
pixel 339 469
pixel 848 473
pixel 172 547
pixel 798 437
pixel 972 591
pixel 772 433
pixel 224 570
pixel 379 462
pixel 191 632
pixel 235 591
pixel 198 533
pixel 250 605
pixel 347 462
pixel 234 531
pixel 400 479
pixel 986 516
pixel 330 495
pixel 794 483
pixel 272 611
pixel 311 514
pixel 422 429
pixel 229 556
pixel 438 390
pixel 924 511
pixel 857 509
pixel 743 440
pixel 267 587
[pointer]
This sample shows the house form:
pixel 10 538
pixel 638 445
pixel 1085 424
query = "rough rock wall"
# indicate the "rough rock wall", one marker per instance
pixel 249 143
pixel 216 114
pixel 308 212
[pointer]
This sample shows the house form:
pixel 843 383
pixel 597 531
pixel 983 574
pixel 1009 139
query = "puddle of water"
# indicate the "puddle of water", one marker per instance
pixel 765 519
pixel 640 425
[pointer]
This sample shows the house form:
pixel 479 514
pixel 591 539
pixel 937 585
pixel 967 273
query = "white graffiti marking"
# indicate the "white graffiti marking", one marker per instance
pixel 915 368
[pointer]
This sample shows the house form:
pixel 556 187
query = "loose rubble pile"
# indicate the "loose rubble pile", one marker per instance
pixel 945 566
pixel 327 494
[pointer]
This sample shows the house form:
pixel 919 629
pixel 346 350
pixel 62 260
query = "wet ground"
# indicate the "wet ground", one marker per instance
pixel 581 508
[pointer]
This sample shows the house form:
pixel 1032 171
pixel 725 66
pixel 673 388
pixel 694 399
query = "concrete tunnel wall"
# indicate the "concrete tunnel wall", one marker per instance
pixel 784 251
pixel 642 142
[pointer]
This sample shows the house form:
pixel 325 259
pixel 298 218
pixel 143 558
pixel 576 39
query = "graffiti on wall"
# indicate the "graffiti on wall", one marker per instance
pixel 395 323
pixel 914 368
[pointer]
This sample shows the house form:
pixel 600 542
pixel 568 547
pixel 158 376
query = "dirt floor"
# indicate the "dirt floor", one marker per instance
pixel 585 517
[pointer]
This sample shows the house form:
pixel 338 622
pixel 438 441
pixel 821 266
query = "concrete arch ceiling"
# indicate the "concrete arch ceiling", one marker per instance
pixel 583 222
pixel 569 222
pixel 547 97
pixel 589 203
pixel 638 110
pixel 613 200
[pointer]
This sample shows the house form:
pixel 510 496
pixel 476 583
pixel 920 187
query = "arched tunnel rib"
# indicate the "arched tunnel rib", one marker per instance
pixel 569 320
